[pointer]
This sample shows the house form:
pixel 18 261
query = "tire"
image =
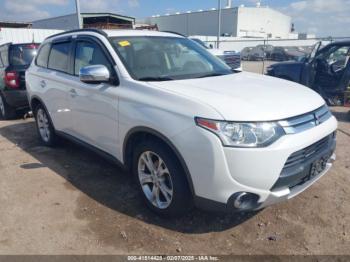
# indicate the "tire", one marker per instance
pixel 45 127
pixel 169 181
pixel 6 111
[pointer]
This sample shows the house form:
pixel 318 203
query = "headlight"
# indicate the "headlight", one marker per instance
pixel 235 134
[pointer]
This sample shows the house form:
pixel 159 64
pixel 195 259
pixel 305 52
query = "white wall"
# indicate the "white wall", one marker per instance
pixel 66 22
pixel 19 35
pixel 263 20
pixel 237 21
pixel 198 23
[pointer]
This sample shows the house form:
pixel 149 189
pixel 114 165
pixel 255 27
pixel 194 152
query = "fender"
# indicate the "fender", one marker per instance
pixel 165 140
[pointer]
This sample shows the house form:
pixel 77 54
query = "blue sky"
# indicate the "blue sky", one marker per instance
pixel 322 17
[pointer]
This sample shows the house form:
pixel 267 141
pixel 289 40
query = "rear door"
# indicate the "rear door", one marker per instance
pixel 94 106
pixel 55 80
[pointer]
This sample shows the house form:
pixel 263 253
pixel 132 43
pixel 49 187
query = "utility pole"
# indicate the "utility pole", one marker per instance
pixel 77 4
pixel 219 24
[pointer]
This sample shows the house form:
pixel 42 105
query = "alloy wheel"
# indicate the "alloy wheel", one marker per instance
pixel 43 125
pixel 155 179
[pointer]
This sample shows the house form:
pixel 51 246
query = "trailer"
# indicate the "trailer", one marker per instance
pixel 25 35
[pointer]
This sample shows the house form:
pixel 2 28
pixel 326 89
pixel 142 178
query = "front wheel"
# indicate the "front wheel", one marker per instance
pixel 44 125
pixel 161 179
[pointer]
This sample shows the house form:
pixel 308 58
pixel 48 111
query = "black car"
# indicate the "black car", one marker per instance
pixel 14 60
pixel 326 70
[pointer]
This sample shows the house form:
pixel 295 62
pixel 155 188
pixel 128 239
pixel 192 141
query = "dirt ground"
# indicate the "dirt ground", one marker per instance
pixel 68 200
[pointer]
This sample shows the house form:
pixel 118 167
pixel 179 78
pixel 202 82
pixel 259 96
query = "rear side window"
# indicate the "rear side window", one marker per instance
pixel 59 56
pixel 22 54
pixel 1 64
pixel 4 57
pixel 43 56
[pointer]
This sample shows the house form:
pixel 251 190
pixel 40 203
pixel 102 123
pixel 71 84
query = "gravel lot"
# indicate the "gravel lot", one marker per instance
pixel 70 201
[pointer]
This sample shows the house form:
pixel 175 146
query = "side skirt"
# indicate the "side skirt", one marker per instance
pixel 94 149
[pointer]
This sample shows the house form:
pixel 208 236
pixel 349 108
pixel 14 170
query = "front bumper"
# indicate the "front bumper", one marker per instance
pixel 218 173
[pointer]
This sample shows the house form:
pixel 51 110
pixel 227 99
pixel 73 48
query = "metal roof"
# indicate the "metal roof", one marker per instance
pixel 129 18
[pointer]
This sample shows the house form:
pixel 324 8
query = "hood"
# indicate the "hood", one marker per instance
pixel 248 97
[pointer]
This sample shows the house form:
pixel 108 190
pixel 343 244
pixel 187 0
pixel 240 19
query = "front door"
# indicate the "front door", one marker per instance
pixel 94 106
pixel 332 71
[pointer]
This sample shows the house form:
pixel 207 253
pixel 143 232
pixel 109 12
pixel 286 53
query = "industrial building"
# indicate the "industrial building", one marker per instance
pixel 88 20
pixel 258 21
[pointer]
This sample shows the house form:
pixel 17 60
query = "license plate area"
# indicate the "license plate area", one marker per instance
pixel 316 168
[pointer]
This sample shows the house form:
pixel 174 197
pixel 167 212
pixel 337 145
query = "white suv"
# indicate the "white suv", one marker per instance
pixel 190 129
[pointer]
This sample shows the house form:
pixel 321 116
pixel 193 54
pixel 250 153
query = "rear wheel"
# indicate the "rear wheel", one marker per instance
pixel 44 125
pixel 161 179
pixel 6 111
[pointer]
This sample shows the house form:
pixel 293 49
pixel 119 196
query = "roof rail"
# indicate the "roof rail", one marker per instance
pixel 93 30
pixel 175 33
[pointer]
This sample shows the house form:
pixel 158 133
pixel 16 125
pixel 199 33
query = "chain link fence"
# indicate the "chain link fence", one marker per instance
pixel 258 54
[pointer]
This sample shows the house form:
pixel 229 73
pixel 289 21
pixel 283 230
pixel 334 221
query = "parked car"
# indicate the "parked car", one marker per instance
pixel 231 58
pixel 14 60
pixel 326 70
pixel 245 53
pixel 189 128
pixel 288 53
pixel 258 53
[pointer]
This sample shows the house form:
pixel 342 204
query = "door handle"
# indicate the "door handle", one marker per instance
pixel 42 83
pixel 73 93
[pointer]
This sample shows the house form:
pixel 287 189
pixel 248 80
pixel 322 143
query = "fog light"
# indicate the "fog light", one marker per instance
pixel 245 200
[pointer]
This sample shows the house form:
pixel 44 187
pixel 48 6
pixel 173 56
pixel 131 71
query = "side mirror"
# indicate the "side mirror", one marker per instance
pixel 94 74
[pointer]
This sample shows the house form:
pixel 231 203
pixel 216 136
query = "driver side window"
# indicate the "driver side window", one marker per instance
pixel 338 56
pixel 87 54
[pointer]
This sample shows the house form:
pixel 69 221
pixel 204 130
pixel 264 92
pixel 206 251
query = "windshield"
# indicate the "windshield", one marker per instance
pixel 149 58
pixel 23 54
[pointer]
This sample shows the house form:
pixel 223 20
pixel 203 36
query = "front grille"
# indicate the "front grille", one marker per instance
pixel 234 61
pixel 296 170
pixel 307 153
pixel 304 122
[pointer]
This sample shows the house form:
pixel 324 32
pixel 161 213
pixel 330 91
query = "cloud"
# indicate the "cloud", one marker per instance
pixel 50 2
pixel 299 6
pixel 134 3
pixel 112 6
pixel 19 10
pixel 321 6
pixel 96 5
pixel 321 17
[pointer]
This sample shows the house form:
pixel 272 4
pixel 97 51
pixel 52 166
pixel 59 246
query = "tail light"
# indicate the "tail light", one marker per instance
pixel 32 46
pixel 12 79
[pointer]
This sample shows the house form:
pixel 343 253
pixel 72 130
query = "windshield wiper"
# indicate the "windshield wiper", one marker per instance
pixel 211 74
pixel 151 78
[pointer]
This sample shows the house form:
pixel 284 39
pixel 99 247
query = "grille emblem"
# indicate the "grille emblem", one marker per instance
pixel 317 120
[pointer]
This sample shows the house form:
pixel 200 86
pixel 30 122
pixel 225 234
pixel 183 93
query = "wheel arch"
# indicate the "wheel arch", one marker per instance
pixel 34 102
pixel 136 134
